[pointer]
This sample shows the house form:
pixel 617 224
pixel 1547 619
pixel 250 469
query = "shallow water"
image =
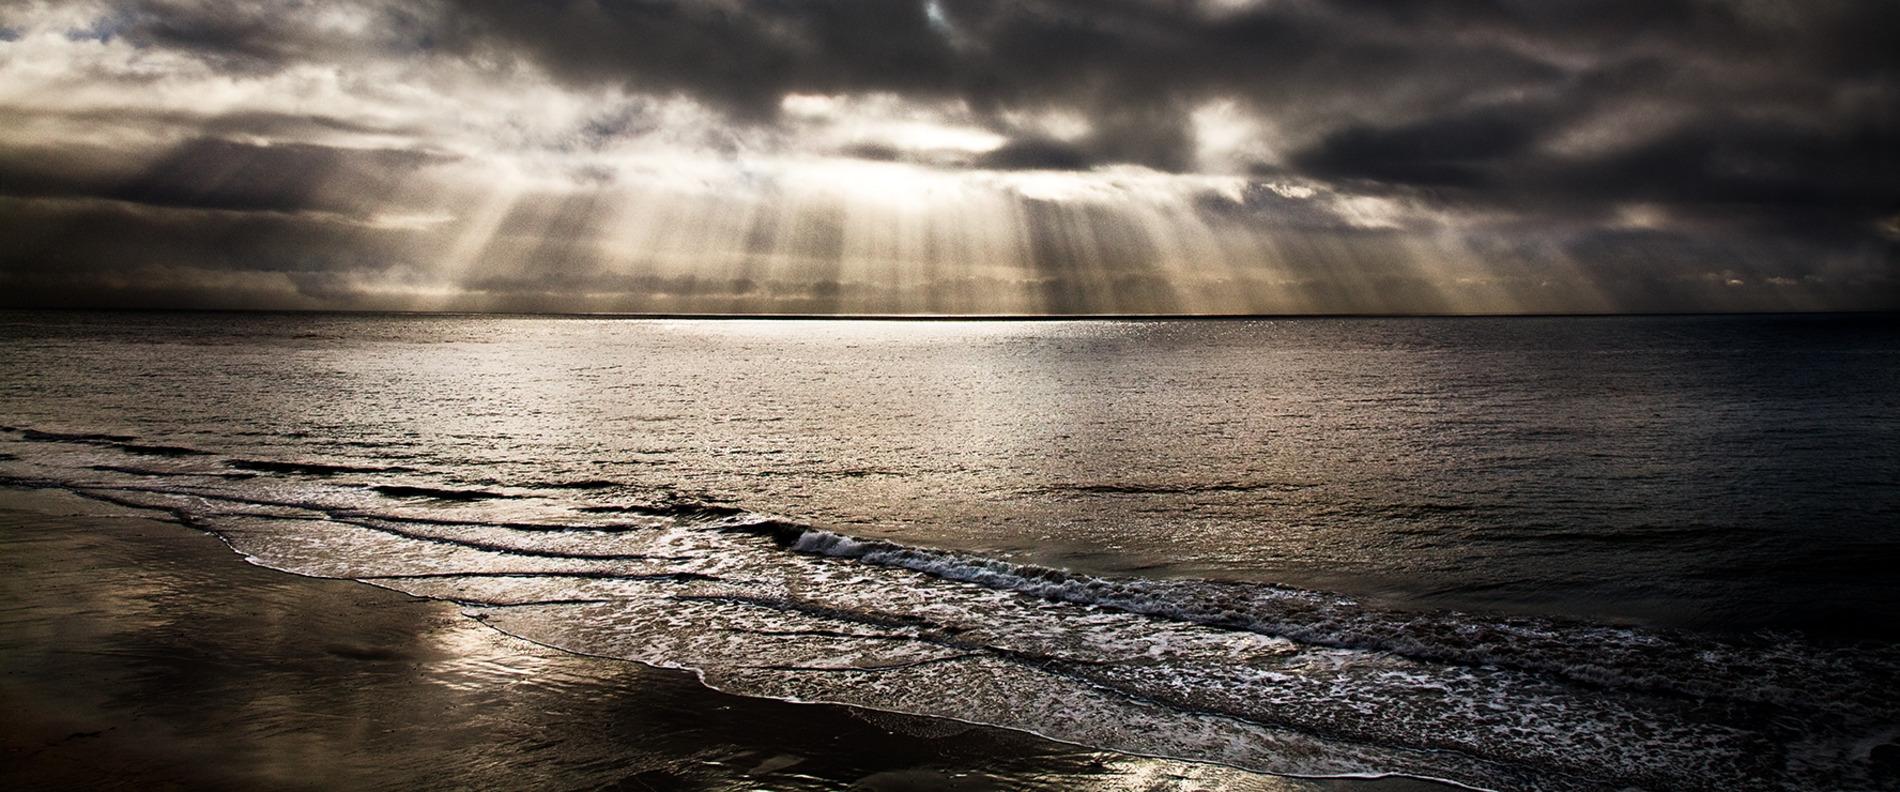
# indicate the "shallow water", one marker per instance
pixel 139 655
pixel 1513 553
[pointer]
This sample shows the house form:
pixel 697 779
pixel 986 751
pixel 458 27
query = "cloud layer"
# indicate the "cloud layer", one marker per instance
pixel 1147 156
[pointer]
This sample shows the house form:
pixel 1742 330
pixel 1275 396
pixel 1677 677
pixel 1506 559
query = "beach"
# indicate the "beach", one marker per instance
pixel 139 654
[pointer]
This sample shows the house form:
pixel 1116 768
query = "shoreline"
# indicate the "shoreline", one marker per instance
pixel 140 652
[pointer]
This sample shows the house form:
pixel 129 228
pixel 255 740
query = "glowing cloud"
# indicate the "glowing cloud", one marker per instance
pixel 946 157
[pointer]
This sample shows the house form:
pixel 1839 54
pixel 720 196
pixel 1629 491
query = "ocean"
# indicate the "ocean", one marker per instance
pixel 1503 553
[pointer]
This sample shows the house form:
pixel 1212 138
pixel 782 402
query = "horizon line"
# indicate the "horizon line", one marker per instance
pixel 933 317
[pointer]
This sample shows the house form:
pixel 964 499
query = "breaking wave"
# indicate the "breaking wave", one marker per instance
pixel 1263 677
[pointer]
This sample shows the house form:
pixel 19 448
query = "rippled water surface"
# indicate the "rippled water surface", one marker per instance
pixel 1510 553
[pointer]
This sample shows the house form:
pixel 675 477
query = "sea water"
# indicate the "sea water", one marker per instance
pixel 1553 553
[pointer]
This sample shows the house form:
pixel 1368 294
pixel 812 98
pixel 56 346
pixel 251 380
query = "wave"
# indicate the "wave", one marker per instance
pixel 72 437
pixel 311 468
pixel 1611 657
pixel 161 450
pixel 131 470
pixel 1263 677
pixel 581 484
pixel 671 504
pixel 436 493
pixel 1175 489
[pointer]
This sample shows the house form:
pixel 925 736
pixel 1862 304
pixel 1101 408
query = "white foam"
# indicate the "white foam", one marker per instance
pixel 1261 677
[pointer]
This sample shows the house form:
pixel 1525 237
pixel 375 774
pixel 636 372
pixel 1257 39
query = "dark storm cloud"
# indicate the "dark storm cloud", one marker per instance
pixel 1463 94
pixel 1741 161
pixel 1427 93
pixel 1832 36
pixel 1469 149
pixel 266 35
pixel 1754 171
pixel 1754 141
pixel 743 56
pixel 213 173
pixel 1133 68
pixel 204 222
pixel 1031 153
pixel 108 254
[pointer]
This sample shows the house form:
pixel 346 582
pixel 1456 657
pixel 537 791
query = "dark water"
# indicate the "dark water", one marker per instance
pixel 1512 553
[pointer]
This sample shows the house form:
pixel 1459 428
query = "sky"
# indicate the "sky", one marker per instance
pixel 952 156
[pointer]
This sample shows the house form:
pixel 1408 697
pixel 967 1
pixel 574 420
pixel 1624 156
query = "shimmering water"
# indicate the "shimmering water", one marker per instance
pixel 1508 553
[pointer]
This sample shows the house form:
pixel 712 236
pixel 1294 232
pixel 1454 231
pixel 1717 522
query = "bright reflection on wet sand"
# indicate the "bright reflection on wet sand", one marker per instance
pixel 137 649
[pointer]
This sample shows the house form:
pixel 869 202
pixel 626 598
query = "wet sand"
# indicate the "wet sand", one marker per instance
pixel 140 654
